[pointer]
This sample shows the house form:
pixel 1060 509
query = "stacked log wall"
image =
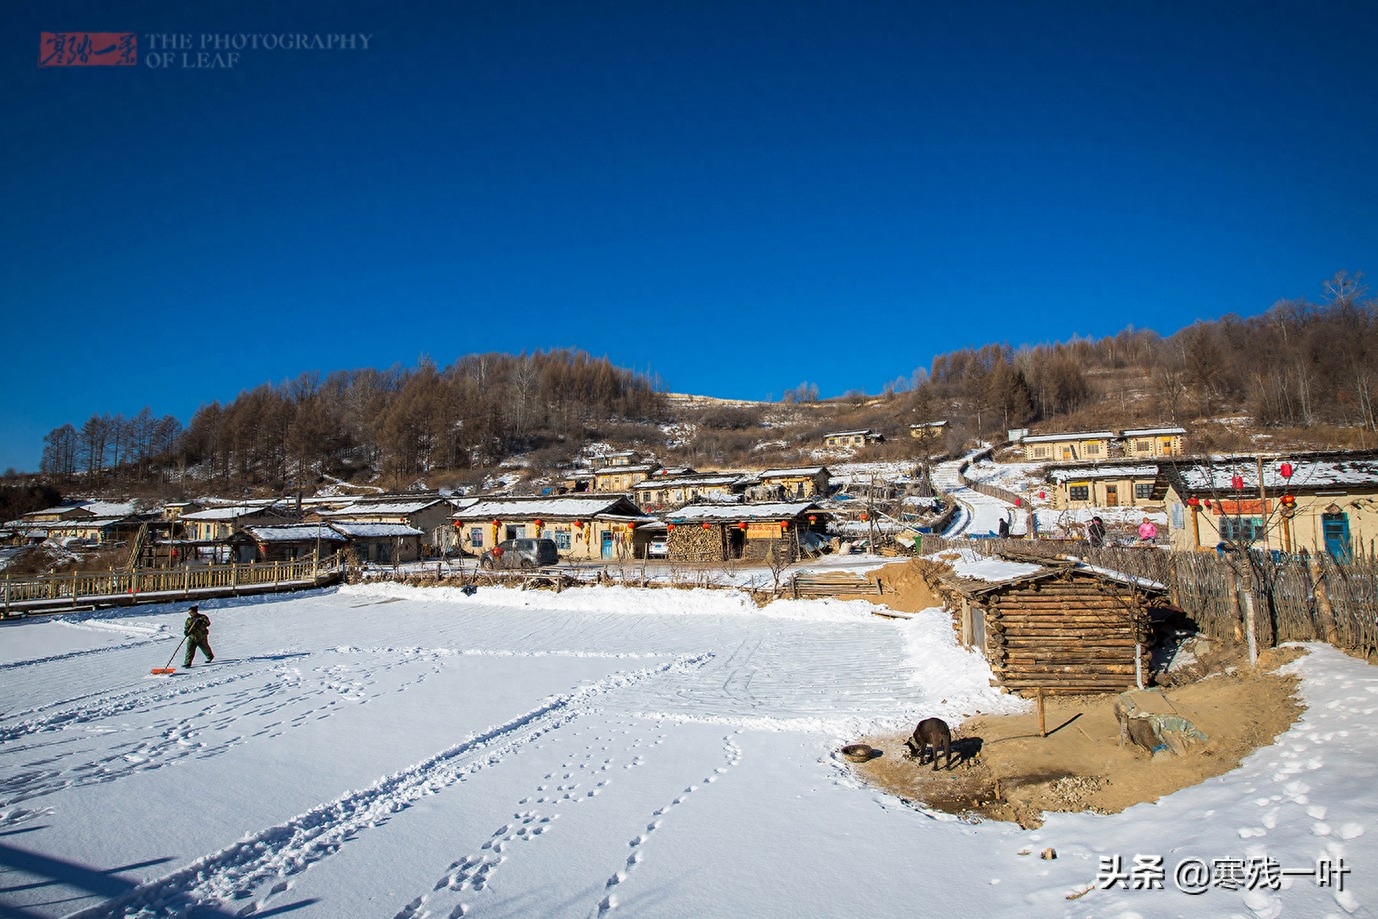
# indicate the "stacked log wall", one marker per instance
pixel 1066 635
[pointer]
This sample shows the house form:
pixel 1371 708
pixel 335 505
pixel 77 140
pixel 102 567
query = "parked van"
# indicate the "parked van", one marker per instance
pixel 521 553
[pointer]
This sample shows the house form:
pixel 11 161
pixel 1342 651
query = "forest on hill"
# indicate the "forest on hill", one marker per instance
pixel 1300 375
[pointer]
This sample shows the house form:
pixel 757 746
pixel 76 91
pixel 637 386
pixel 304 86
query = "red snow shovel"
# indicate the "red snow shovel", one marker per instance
pixel 169 668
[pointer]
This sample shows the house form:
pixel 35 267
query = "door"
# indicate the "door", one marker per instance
pixel 607 544
pixel 1112 496
pixel 1336 530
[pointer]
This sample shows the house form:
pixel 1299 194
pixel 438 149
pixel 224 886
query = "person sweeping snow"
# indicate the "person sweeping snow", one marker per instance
pixel 198 632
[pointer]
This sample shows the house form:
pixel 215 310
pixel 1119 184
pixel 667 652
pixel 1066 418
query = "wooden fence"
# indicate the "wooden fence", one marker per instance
pixel 59 591
pixel 1293 597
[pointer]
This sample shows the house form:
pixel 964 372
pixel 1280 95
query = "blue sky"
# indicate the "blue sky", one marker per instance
pixel 738 197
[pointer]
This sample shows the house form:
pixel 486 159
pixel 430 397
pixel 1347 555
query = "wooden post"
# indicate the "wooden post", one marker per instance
pixel 1042 724
pixel 1196 527
pixel 1324 610
pixel 1232 598
pixel 966 623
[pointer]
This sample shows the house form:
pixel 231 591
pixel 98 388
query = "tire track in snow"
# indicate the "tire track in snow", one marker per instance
pixel 278 852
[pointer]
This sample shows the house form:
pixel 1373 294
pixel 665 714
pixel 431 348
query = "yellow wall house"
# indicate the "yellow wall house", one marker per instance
pixel 216 523
pixel 1107 485
pixel 790 484
pixel 621 478
pixel 662 491
pixel 583 526
pixel 1141 443
pixel 851 438
pixel 428 513
pixel 1086 446
pixel 1328 503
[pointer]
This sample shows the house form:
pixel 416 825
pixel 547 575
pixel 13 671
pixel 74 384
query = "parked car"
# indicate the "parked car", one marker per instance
pixel 659 547
pixel 521 553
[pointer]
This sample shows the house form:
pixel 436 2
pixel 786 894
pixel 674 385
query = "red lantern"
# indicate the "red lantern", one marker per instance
pixel 1288 501
pixel 1207 502
pixel 863 516
pixel 669 526
pixel 705 524
pixel 813 518
pixel 497 522
pixel 578 524
pixel 1286 470
pixel 741 524
pixel 1042 495
pixel 1238 482
pixel 784 524
pixel 1018 502
pixel 539 523
pixel 1193 502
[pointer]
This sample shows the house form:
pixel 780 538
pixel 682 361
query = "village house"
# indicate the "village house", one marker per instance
pixel 928 430
pixel 95 531
pixel 1147 443
pixel 852 438
pixel 1317 503
pixel 622 478
pixel 216 524
pixel 1056 628
pixel 715 532
pixel 382 543
pixel 665 490
pixel 286 543
pixel 789 484
pixel 429 514
pixel 582 526
pixel 1086 446
pixel 1106 485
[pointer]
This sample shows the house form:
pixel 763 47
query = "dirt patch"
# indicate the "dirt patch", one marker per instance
pixel 1004 770
pixel 902 587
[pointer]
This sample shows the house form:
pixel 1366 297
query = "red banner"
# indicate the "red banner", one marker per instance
pixel 88 49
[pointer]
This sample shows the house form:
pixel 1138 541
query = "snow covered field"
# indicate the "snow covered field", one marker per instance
pixel 402 752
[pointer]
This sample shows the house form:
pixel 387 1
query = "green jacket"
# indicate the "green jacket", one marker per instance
pixel 198 627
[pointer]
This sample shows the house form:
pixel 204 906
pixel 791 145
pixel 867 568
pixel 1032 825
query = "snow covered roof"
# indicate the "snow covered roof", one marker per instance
pixel 232 512
pixel 866 433
pixel 557 506
pixel 791 473
pixel 971 565
pixel 775 510
pixel 1076 435
pixel 379 508
pixel 1101 471
pixel 366 530
pixel 618 470
pixel 294 532
pixel 1154 432
pixel 676 481
pixel 1308 474
pixel 84 522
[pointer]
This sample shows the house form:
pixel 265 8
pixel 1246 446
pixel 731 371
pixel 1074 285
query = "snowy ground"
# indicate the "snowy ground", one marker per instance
pixel 403 752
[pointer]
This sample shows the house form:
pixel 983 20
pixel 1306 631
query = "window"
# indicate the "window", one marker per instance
pixel 1079 492
pixel 1040 452
pixel 476 537
pixel 1241 529
pixel 1092 449
pixel 561 539
pixel 1143 491
pixel 1143 446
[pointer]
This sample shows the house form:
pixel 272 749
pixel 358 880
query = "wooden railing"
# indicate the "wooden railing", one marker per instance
pixel 79 588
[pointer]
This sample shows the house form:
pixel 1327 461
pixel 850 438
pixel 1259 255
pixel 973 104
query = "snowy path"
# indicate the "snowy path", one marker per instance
pixel 400 752
pixel 978 514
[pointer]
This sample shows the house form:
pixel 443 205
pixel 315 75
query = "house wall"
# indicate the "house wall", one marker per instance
pixel 1071 449
pixel 1304 530
pixel 1153 446
pixel 1098 491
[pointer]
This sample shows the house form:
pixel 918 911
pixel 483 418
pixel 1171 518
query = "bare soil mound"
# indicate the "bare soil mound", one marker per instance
pixel 1005 771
